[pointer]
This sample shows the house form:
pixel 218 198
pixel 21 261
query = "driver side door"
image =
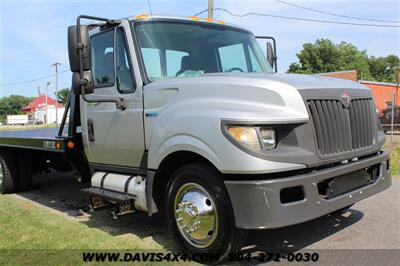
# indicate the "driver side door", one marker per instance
pixel 112 137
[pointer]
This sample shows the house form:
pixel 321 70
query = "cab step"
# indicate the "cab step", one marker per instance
pixel 107 194
pixel 103 198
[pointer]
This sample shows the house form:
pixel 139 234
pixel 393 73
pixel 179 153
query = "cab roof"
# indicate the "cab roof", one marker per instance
pixel 147 17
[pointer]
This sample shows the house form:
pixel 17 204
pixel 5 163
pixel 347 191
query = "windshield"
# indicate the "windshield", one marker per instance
pixel 183 49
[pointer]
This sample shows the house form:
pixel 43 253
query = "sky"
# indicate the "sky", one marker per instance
pixel 34 32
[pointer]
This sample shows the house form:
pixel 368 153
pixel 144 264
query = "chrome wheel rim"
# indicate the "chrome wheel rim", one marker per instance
pixel 196 215
pixel 1 177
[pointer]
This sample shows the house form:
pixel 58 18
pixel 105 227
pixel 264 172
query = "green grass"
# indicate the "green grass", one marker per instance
pixel 30 233
pixel 394 149
pixel 395 161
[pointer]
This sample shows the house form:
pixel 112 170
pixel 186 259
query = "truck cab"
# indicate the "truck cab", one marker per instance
pixel 187 117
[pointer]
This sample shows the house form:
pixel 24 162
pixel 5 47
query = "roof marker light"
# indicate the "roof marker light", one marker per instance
pixel 195 18
pixel 221 22
pixel 141 16
pixel 209 19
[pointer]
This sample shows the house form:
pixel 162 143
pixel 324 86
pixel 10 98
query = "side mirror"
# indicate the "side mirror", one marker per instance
pixel 87 82
pixel 271 55
pixel 73 48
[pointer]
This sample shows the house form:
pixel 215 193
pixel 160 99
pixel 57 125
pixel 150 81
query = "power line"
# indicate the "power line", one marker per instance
pixel 31 80
pixel 335 14
pixel 201 12
pixel 302 19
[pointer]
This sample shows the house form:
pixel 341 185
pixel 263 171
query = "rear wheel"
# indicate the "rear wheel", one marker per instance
pixel 199 212
pixel 7 174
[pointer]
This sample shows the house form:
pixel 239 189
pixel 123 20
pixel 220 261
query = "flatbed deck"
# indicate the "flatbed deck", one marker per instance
pixel 37 139
pixel 32 133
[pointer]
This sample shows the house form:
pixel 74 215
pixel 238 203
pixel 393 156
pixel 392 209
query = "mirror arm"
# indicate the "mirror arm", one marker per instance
pixel 119 102
pixel 275 58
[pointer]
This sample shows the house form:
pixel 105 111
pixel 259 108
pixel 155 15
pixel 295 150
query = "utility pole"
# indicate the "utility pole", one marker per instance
pixel 397 83
pixel 56 66
pixel 211 8
pixel 394 104
pixel 392 119
pixel 47 102
pixel 34 122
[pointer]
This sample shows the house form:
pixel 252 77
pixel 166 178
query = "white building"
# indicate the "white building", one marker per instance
pixel 43 109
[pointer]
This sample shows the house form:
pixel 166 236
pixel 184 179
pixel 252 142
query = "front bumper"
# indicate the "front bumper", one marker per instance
pixel 257 203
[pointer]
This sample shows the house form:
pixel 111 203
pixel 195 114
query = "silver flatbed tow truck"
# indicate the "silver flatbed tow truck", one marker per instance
pixel 187 117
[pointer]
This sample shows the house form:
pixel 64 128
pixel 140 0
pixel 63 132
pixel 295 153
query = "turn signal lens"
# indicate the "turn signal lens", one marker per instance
pixel 70 144
pixel 246 136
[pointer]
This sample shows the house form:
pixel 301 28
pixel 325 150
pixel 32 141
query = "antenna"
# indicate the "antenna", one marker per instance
pixel 149 4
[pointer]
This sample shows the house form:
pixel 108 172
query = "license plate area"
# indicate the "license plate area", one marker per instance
pixel 336 186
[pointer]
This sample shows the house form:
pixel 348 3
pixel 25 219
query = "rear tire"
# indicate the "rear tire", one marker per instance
pixel 199 212
pixel 8 174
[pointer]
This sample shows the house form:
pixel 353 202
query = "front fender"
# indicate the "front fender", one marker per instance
pixel 181 143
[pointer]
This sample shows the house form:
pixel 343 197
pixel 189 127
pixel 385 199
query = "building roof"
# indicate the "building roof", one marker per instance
pixel 346 74
pixel 338 72
pixel 378 83
pixel 40 102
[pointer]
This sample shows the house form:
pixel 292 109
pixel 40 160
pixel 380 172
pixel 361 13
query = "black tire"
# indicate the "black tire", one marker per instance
pixel 8 174
pixel 227 239
pixel 25 172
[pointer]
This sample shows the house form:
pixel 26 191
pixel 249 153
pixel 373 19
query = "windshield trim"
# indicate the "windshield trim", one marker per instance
pixel 139 55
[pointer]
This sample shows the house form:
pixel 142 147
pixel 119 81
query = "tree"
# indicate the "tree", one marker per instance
pixel 12 105
pixel 62 96
pixel 326 56
pixel 322 56
pixel 384 68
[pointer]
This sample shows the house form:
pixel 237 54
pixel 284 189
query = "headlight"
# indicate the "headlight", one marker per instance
pixel 268 138
pixel 253 138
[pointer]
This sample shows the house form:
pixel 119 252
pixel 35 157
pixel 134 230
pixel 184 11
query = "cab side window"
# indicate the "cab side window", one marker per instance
pixel 102 52
pixel 125 82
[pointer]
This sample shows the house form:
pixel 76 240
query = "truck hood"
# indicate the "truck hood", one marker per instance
pixel 247 96
pixel 299 81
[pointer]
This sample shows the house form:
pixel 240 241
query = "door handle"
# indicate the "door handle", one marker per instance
pixel 90 129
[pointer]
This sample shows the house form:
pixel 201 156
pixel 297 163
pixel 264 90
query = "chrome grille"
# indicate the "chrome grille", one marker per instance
pixel 343 130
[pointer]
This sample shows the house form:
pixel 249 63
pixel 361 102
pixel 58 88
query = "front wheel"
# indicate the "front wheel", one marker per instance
pixel 200 214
